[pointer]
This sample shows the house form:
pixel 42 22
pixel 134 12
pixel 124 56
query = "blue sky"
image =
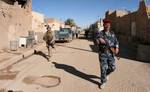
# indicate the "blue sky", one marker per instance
pixel 83 12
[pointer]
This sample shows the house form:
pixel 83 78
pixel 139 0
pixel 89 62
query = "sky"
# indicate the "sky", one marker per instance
pixel 84 12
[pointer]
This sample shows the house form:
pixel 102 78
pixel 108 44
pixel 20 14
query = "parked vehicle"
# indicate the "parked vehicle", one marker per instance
pixel 64 34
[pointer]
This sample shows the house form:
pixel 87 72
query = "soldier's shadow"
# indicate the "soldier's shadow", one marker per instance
pixel 94 48
pixel 74 71
pixel 41 54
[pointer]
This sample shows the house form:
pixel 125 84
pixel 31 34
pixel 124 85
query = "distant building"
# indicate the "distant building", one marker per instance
pixel 132 26
pixel 54 23
pixel 38 24
pixel 100 25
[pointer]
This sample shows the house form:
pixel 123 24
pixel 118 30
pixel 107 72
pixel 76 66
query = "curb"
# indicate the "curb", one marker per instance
pixel 18 58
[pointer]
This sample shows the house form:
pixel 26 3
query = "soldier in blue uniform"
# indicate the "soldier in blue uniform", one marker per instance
pixel 108 46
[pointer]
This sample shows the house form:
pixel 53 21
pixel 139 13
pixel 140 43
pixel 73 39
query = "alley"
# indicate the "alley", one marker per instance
pixel 74 67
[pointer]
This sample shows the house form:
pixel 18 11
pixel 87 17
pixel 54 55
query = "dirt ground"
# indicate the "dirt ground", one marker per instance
pixel 74 67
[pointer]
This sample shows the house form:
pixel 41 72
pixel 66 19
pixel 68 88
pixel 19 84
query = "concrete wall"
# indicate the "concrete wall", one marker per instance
pixel 15 22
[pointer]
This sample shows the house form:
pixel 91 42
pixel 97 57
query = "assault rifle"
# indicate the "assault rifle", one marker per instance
pixel 112 50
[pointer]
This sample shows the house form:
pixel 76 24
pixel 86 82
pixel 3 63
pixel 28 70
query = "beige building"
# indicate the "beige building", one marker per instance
pixel 99 24
pixel 67 26
pixel 15 20
pixel 38 24
pixel 54 23
pixel 132 26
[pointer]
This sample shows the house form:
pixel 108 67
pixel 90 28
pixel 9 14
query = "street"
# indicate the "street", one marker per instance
pixel 74 67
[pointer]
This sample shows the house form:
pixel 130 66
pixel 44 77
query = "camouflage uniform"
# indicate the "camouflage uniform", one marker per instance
pixel 49 39
pixel 107 60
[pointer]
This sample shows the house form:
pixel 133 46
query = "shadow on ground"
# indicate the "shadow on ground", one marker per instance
pixel 94 48
pixel 41 54
pixel 75 48
pixel 84 38
pixel 126 51
pixel 74 71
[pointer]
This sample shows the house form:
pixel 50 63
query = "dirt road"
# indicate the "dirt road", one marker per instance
pixel 74 67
